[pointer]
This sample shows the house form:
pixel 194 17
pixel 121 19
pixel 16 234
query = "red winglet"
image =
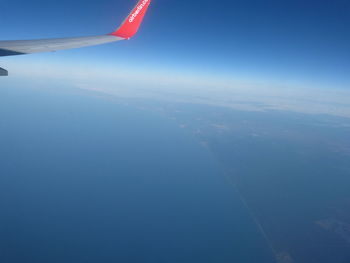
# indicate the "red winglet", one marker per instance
pixel 132 23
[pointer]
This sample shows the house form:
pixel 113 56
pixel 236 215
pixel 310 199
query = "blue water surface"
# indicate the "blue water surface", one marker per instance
pixel 83 179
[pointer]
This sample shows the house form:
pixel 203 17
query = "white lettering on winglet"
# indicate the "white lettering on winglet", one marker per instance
pixel 138 10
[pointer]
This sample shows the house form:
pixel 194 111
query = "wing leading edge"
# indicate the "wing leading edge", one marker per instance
pixel 126 30
pixel 21 47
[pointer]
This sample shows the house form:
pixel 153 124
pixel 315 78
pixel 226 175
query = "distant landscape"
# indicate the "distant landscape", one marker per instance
pixel 284 174
pixel 291 171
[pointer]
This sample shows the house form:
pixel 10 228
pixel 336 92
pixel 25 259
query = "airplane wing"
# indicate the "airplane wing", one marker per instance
pixel 126 30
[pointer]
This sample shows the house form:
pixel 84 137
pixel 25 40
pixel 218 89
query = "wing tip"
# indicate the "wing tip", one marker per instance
pixel 132 23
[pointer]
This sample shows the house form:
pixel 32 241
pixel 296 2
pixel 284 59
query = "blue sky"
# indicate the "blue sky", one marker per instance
pixel 270 41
